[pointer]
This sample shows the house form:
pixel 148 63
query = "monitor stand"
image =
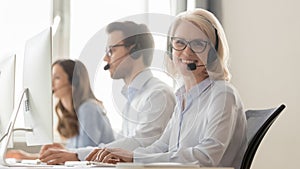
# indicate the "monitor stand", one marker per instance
pixel 4 140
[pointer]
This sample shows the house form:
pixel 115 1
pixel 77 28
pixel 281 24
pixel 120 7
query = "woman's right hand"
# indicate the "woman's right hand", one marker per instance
pixel 20 155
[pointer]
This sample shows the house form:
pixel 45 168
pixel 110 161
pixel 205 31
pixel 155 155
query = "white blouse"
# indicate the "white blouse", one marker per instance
pixel 210 130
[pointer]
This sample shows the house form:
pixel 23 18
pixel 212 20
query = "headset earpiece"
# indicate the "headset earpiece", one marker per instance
pixel 212 56
pixel 75 81
pixel 213 51
pixel 134 51
pixel 76 77
pixel 169 51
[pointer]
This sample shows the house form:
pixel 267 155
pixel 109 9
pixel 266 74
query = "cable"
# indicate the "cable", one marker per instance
pixel 14 115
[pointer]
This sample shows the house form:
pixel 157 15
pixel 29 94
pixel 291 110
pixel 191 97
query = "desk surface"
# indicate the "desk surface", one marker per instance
pixel 122 166
pixel 64 167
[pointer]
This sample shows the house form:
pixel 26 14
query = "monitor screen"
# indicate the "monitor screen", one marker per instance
pixel 37 79
pixel 7 87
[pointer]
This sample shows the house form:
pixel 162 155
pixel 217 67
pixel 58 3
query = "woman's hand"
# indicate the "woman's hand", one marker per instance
pixel 21 155
pixel 52 146
pixel 57 156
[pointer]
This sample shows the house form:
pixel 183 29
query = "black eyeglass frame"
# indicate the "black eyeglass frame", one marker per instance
pixel 108 50
pixel 188 43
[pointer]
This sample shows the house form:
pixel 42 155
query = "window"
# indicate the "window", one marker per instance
pixel 20 20
pixel 90 16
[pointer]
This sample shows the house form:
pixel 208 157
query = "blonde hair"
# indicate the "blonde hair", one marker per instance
pixel 211 27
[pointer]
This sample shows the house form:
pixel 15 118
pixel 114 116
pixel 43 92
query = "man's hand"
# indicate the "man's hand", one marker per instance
pixel 93 155
pixel 111 155
pixel 57 156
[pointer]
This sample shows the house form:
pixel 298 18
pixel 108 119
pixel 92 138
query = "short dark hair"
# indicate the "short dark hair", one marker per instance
pixel 138 35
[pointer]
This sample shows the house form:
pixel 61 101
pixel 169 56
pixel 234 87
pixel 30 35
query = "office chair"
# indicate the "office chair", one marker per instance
pixel 258 123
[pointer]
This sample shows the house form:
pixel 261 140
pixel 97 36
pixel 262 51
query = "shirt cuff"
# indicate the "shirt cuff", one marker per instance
pixel 82 152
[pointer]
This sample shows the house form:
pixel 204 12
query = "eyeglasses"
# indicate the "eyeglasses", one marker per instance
pixel 196 45
pixel 108 50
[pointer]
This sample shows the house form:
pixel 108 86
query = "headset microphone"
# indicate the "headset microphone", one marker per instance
pixel 193 66
pixel 107 66
pixel 61 87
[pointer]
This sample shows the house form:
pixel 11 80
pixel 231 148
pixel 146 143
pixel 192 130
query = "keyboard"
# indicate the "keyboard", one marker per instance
pixel 26 163
pixel 167 165
pixel 88 163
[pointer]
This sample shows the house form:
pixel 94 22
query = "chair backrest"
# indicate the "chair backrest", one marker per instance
pixel 258 123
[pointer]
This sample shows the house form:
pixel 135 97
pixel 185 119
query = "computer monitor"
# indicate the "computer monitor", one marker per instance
pixel 7 87
pixel 7 135
pixel 36 96
pixel 37 79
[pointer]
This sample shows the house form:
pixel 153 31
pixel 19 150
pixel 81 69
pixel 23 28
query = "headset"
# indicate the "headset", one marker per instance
pixel 76 74
pixel 212 53
pixel 76 81
pixel 134 51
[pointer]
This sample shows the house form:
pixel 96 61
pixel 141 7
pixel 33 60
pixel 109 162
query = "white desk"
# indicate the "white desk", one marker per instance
pixel 162 166
pixel 120 166
pixel 57 166
pixel 64 167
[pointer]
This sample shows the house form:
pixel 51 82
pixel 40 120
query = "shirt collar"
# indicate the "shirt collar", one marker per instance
pixel 136 84
pixel 195 91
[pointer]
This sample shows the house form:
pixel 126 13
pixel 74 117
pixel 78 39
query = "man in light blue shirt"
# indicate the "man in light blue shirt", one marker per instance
pixel 150 102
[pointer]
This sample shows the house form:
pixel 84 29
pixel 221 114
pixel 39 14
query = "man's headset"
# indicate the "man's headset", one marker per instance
pixel 134 53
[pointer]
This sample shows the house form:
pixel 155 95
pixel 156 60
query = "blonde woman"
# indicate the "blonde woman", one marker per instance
pixel 208 126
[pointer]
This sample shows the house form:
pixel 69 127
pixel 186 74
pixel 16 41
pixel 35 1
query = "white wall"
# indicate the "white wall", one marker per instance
pixel 19 21
pixel 264 39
